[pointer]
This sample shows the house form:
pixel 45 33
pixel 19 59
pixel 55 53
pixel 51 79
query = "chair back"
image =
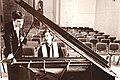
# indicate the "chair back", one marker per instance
pixel 82 39
pixel 94 41
pixel 114 46
pixel 105 41
pixel 101 47
pixel 28 51
pixel 64 48
pixel 89 44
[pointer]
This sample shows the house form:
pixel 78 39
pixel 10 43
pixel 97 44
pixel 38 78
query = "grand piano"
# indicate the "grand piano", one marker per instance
pixel 89 67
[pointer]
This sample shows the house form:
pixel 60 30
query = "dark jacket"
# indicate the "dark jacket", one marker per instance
pixel 10 40
pixel 40 53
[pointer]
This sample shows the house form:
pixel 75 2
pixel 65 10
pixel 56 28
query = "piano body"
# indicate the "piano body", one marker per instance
pixel 91 67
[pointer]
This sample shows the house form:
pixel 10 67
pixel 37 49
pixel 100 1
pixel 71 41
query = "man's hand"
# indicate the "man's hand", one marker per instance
pixel 9 59
pixel 21 38
pixel 10 56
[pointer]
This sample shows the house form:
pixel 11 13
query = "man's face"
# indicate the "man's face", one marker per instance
pixel 48 37
pixel 19 22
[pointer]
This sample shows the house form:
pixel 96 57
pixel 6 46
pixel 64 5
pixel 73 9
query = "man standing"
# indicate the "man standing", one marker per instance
pixel 13 35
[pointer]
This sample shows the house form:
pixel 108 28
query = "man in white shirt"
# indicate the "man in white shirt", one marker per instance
pixel 49 48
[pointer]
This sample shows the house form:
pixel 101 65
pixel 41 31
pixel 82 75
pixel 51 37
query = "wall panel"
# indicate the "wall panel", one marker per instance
pixel 78 13
pixel 107 17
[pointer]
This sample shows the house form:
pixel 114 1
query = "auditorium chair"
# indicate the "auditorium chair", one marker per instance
pixel 116 41
pixel 84 33
pixel 94 41
pixel 101 47
pixel 95 35
pixel 36 36
pixel 82 39
pixel 80 28
pixel 100 37
pixel 113 51
pixel 36 39
pixel 105 41
pixel 89 37
pixel 89 44
pixel 33 44
pixel 102 50
pixel 91 33
pixel 64 48
pixel 86 29
pixel 91 29
pixel 33 30
pixel 96 32
pixel 28 51
pixel 79 36
pixel 101 33
pixel 111 38
pixel 106 36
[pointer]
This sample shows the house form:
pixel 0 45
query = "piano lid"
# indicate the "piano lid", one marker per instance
pixel 67 38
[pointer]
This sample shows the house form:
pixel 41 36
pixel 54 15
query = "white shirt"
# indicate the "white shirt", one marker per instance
pixel 55 48
pixel 17 29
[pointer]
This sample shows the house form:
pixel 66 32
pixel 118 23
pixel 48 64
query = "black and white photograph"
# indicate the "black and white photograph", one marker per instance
pixel 59 39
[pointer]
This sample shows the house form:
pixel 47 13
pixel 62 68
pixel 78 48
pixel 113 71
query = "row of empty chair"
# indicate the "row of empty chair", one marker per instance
pixel 96 40
pixel 103 44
